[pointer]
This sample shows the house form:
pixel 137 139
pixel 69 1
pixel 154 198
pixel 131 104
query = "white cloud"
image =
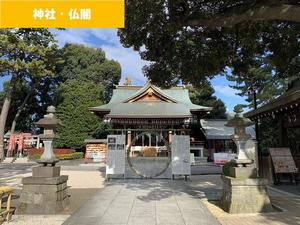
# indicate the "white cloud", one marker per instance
pixel 78 36
pixel 226 90
pixel 130 61
pixel 107 35
pixel 108 40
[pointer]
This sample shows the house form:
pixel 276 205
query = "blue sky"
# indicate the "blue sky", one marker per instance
pixel 130 60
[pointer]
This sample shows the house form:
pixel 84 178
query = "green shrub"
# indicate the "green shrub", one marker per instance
pixel 35 157
pixel 70 156
pixel 226 167
pixel 75 155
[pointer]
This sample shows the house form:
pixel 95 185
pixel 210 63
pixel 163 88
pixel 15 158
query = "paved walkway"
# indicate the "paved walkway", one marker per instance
pixel 144 202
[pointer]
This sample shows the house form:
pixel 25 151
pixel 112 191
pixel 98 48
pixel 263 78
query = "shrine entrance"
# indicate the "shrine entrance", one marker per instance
pixel 149 154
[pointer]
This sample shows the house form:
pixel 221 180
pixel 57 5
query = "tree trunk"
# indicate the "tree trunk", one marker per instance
pixel 20 109
pixel 4 113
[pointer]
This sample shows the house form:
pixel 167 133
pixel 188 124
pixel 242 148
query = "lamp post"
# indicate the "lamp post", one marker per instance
pixel 252 91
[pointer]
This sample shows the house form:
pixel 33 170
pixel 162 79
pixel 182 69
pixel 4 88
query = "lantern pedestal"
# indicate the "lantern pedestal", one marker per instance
pixel 48 156
pixel 45 192
pixel 243 195
pixel 245 172
pixel 46 171
pixel 243 191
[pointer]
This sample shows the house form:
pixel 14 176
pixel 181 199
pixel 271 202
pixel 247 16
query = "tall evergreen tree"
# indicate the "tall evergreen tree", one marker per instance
pixel 78 122
pixel 87 79
pixel 204 95
pixel 260 81
pixel 90 64
pixel 24 54
pixel 189 41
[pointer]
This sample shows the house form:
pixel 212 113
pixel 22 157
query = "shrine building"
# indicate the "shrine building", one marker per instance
pixel 136 109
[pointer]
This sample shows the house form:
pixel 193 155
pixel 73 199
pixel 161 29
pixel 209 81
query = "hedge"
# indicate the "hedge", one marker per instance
pixel 227 166
pixel 57 151
pixel 70 156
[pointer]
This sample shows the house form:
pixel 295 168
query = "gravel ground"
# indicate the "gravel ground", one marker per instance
pixel 84 181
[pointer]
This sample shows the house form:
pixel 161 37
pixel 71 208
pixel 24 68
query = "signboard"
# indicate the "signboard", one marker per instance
pixel 223 157
pixel 283 161
pixel 115 154
pixel 181 157
pixel 96 151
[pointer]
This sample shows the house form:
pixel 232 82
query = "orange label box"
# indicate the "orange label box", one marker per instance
pixel 62 13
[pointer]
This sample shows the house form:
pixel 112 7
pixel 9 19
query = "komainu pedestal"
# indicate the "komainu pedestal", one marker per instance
pixel 45 192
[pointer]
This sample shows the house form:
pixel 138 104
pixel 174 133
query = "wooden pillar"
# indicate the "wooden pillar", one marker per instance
pixel 129 137
pixel 283 138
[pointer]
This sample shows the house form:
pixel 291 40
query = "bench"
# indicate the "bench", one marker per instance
pixel 5 213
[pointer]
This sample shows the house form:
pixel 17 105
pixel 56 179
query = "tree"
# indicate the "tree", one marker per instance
pixel 89 64
pixel 231 13
pixel 21 89
pixel 24 53
pixel 260 82
pixel 78 122
pixel 203 95
pixel 87 80
pixel 190 41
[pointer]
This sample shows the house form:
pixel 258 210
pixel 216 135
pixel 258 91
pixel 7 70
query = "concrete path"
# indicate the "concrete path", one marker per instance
pixel 144 202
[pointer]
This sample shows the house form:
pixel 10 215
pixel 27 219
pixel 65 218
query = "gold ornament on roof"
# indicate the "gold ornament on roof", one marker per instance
pixel 128 81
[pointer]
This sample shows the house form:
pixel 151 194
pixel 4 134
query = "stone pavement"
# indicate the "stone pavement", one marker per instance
pixel 288 203
pixel 144 202
pixel 146 197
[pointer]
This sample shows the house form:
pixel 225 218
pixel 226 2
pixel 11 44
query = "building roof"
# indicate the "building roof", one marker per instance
pixel 94 141
pixel 284 102
pixel 215 129
pixel 150 102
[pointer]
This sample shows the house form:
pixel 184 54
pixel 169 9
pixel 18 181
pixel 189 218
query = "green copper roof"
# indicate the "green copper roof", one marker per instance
pixel 215 129
pixel 180 105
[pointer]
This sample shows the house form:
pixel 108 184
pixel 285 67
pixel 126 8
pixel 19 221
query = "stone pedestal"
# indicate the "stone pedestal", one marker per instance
pixel 46 171
pixel 243 172
pixel 44 193
pixel 244 195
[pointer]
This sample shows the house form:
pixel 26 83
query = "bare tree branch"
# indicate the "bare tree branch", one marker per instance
pixel 267 13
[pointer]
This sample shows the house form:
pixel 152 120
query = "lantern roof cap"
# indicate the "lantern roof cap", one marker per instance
pixel 49 119
pixel 238 120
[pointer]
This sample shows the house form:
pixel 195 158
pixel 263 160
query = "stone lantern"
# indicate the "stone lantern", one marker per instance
pixel 243 191
pixel 49 123
pixel 240 137
pixel 45 192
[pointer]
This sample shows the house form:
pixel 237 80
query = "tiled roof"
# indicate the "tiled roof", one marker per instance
pixel 216 129
pixel 180 104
